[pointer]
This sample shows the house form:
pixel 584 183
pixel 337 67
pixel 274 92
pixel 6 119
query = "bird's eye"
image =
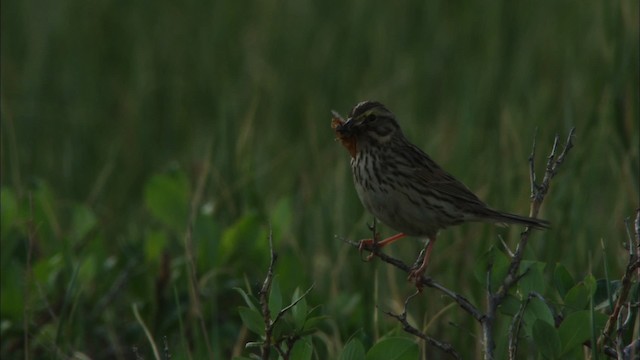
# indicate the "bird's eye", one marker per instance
pixel 369 118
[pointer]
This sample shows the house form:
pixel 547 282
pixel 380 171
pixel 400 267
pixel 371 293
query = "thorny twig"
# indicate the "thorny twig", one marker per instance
pixel 423 280
pixel 537 197
pixel 402 318
pixel 633 265
pixel 516 323
pixel 264 300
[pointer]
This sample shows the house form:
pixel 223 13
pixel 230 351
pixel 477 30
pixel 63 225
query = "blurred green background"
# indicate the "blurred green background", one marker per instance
pixel 112 111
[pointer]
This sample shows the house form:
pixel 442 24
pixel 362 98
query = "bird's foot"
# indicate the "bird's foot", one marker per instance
pixel 415 276
pixel 369 244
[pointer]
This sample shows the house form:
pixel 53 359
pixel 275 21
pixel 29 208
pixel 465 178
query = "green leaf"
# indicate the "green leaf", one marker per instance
pixel 591 284
pixel 536 310
pixel 510 306
pixel 302 349
pixel 83 220
pixel 245 235
pixel 281 216
pixel 281 328
pixel 252 319
pixel 311 325
pixel 166 196
pixel 562 280
pixel 533 280
pixel 275 298
pixel 45 212
pixel 601 299
pixel 577 298
pixel 500 267
pixel 87 270
pixel 546 339
pixel 394 348
pixel 248 299
pixel 154 244
pixel 576 328
pixel 299 310
pixel 354 350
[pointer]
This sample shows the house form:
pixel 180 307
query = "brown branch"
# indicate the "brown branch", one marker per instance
pixel 537 197
pixel 633 264
pixel 426 281
pixel 402 318
pixel 264 301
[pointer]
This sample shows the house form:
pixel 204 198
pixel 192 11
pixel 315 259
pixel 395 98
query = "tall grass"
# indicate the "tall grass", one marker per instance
pixel 99 98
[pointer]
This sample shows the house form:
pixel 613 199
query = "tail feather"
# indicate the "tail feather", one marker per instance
pixel 523 220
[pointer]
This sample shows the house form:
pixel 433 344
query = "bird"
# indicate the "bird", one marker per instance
pixel 400 185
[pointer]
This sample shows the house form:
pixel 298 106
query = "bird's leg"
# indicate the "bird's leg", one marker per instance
pixel 416 274
pixel 378 244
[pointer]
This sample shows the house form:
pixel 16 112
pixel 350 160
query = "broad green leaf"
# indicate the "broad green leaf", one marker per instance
pixel 562 280
pixel 591 284
pixel 245 235
pixel 46 271
pixel 154 244
pixel 311 325
pixel 576 299
pixel 252 319
pixel 510 306
pixel 275 298
pixel 83 220
pixel 536 310
pixel 166 196
pixel 394 348
pixel 576 328
pixel 302 349
pixel 87 270
pixel 354 350
pixel 499 267
pixel 533 280
pixel 546 339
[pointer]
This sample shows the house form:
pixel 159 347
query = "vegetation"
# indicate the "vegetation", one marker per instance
pixel 149 149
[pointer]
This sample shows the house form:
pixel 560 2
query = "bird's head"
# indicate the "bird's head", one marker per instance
pixel 370 122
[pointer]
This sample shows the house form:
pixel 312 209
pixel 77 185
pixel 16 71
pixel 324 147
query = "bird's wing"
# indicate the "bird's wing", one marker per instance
pixel 436 179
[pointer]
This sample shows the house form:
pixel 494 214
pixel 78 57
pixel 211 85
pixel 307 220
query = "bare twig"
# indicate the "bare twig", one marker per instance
pixel 147 333
pixel 264 301
pixel 294 303
pixel 537 197
pixel 402 318
pixel 633 265
pixel 516 322
pixel 426 281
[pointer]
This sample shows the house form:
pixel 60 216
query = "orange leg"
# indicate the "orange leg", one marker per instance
pixel 416 274
pixel 379 244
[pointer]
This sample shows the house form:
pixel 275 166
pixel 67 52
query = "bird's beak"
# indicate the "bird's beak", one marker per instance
pixel 346 128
